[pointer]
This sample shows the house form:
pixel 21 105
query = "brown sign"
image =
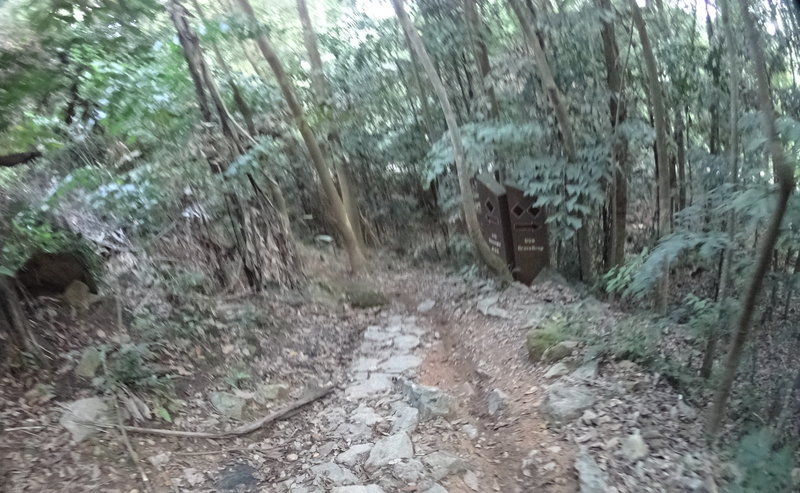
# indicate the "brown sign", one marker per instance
pixel 529 235
pixel 493 216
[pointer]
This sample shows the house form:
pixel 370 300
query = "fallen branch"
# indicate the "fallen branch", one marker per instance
pixel 131 451
pixel 267 452
pixel 245 429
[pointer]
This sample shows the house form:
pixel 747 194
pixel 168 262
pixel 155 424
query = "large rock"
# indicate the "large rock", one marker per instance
pixel 443 464
pixel 78 414
pixel 377 383
pixel 390 449
pixel 370 488
pixel 267 392
pixel 497 400
pixel 354 454
pixel 431 401
pixel 634 448
pixel 91 358
pixel 408 471
pixel 336 474
pixel 592 479
pixel 565 402
pixel 559 351
pixel 557 370
pixel 406 419
pixel 227 404
pixel 400 363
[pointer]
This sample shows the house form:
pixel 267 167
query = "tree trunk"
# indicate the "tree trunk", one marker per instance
pixel 617 113
pixel 467 200
pixel 12 321
pixel 662 160
pixel 564 124
pixel 784 178
pixel 481 54
pixel 10 160
pixel 324 99
pixel 357 259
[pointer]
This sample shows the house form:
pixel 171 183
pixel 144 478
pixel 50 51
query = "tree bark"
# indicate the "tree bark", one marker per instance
pixel 357 259
pixel 784 178
pixel 467 200
pixel 618 113
pixel 12 320
pixel 481 54
pixel 564 124
pixel 324 98
pixel 662 159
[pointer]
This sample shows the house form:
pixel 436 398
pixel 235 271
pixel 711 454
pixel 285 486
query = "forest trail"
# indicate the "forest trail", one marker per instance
pixel 436 392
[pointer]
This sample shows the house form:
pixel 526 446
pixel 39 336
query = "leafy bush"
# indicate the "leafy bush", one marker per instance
pixel 765 465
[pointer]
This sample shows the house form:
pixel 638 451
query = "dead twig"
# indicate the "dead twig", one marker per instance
pixel 131 451
pixel 245 429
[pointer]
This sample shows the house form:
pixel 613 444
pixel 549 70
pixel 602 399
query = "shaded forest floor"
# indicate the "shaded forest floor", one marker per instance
pixel 487 418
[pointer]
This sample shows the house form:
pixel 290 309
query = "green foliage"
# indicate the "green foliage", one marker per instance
pixel 132 366
pixel 766 466
pixel 618 279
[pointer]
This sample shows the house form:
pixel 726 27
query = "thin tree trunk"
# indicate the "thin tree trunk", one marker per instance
pixel 784 178
pixel 12 320
pixel 357 259
pixel 617 113
pixel 564 124
pixel 324 97
pixel 481 54
pixel 467 200
pixel 662 160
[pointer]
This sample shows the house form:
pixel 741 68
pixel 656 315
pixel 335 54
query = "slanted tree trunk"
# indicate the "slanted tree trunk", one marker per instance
pixel 784 178
pixel 618 113
pixel 15 159
pixel 564 124
pixel 357 259
pixel 467 200
pixel 13 323
pixel 476 31
pixel 324 98
pixel 662 159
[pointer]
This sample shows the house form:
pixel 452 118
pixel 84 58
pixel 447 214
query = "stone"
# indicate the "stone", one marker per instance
pixel 354 454
pixel 377 333
pixel 377 383
pixel 400 363
pixel 559 351
pixel 326 449
pixel 443 464
pixel 627 365
pixel 591 478
pixel 336 474
pixel 406 419
pixel 370 488
pixel 497 400
pixel 365 298
pixel 634 447
pixel 389 449
pixel 408 471
pixel 269 392
pixel 470 430
pixel 235 477
pixel 426 306
pixel 362 365
pixel 366 415
pixel 160 460
pixel 77 413
pixel 565 402
pixel 487 307
pixel 587 371
pixel 292 457
pixel 406 342
pixel 91 358
pixel 436 488
pixel 471 480
pixel 227 404
pixel 557 370
pixel 430 401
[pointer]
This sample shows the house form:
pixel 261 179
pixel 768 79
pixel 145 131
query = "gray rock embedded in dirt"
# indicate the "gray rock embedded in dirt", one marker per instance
pixel 487 307
pixel 592 479
pixel 406 342
pixel 400 363
pixel 227 404
pixel 370 488
pixel 366 415
pixel 565 402
pixel 559 351
pixel 587 371
pixel 363 364
pixel 426 306
pixel 389 449
pixel 443 464
pixel 431 401
pixel 436 488
pixel 377 333
pixel 77 413
pixel 471 480
pixel 377 383
pixel 406 419
pixel 270 391
pixel 408 471
pixel 354 454
pixel 235 477
pixel 497 400
pixel 470 431
pixel 336 474
pixel 634 448
pixel 557 370
pixel 90 362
